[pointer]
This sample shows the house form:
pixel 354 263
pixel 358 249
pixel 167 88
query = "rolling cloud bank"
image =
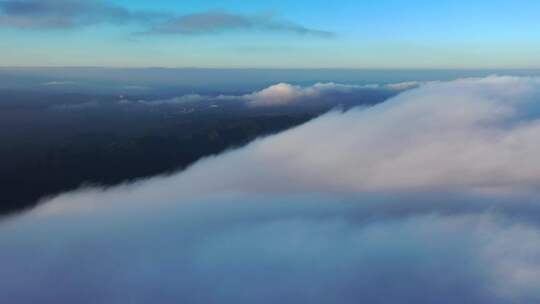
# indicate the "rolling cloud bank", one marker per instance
pixel 430 197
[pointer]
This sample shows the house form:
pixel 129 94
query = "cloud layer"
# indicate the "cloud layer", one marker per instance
pixel 479 139
pixel 284 93
pixel 429 197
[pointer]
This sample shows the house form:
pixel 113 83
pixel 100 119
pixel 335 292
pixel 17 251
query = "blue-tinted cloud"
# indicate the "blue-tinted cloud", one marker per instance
pixel 283 94
pixel 60 14
pixel 241 249
pixel 429 197
pixel 215 21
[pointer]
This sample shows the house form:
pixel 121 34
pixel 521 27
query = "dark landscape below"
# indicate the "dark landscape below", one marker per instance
pixel 54 142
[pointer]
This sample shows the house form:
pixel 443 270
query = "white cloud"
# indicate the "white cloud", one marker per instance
pixel 278 94
pixel 474 135
pixel 283 93
pixel 405 195
pixel 275 95
pixel 247 248
pixel 471 135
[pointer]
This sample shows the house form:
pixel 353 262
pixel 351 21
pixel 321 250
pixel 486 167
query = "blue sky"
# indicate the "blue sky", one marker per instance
pixel 278 34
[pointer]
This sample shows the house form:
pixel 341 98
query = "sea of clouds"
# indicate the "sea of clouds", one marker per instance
pixel 430 197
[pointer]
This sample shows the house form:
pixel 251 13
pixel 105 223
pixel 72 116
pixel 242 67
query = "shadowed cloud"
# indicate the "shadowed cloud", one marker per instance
pixel 64 14
pixel 61 14
pixel 216 21
pixel 283 94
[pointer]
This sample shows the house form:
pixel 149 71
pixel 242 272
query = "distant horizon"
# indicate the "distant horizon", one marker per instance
pixel 180 81
pixel 279 68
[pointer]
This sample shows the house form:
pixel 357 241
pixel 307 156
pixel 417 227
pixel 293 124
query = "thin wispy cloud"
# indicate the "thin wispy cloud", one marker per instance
pixel 217 22
pixel 283 94
pixel 64 14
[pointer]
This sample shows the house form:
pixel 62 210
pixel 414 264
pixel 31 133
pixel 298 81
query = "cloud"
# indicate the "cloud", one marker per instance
pixel 471 135
pixel 280 94
pixel 216 21
pixel 467 135
pixel 65 14
pixel 404 85
pixel 58 83
pixel 283 93
pixel 133 87
pixel 277 95
pixel 429 197
pixel 68 14
pixel 244 249
pixel 76 106
pixel 62 14
pixel 171 101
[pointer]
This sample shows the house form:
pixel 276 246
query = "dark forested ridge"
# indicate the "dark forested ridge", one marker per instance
pixel 56 142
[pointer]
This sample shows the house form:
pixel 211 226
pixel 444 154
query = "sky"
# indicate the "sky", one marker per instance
pixel 385 34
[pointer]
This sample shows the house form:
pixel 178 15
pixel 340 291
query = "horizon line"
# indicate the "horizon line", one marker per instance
pixel 278 68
